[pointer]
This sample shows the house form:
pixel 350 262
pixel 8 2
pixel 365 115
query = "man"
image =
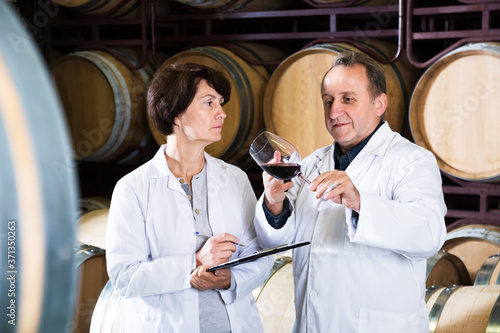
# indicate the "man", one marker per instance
pixel 364 270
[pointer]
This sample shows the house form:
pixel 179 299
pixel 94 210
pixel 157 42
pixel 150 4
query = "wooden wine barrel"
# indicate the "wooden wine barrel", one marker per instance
pixel 466 309
pixel 92 228
pixel 473 244
pixel 275 298
pixel 129 9
pixel 92 277
pixel 38 191
pixel 293 108
pixel 227 6
pixel 454 112
pixel 244 110
pixel 104 103
pixel 489 273
pixel 445 269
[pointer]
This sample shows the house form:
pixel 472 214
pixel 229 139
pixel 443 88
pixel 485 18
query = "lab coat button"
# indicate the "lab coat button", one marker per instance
pixel 316 246
pixel 189 197
pixel 197 211
pixel 313 294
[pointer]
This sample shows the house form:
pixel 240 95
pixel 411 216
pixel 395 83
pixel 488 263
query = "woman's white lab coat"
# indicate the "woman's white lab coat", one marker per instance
pixel 368 278
pixel 151 247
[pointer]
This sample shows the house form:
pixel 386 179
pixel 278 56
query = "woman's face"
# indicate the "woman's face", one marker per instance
pixel 203 119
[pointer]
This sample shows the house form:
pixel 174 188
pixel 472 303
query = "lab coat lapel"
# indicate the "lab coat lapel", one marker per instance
pixel 216 181
pixel 376 146
pixel 327 228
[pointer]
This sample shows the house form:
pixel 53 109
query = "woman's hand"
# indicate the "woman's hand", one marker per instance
pixel 203 280
pixel 216 250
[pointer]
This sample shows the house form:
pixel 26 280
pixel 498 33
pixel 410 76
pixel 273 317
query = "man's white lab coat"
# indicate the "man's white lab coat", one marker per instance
pixel 369 278
pixel 151 245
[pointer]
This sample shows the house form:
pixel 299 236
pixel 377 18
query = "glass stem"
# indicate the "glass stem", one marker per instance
pixel 304 178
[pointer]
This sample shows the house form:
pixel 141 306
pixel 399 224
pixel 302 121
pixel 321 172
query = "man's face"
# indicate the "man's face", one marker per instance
pixel 350 112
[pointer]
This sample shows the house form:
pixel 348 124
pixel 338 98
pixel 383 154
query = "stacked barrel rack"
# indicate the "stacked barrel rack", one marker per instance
pixel 426 33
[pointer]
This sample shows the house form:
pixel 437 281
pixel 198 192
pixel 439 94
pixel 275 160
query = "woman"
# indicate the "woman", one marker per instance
pixel 154 256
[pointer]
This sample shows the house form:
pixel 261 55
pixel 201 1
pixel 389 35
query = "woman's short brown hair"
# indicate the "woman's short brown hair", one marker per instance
pixel 173 88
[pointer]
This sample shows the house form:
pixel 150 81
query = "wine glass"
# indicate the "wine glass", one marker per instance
pixel 263 150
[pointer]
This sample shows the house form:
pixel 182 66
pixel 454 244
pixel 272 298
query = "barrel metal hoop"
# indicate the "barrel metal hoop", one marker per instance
pixel 118 98
pixel 135 6
pixel 106 305
pixel 494 320
pixel 457 262
pixel 429 291
pixel 104 153
pixel 437 308
pixel 145 76
pixel 484 275
pixel 91 5
pixel 480 233
pixel 84 252
pixel 432 261
pixel 123 112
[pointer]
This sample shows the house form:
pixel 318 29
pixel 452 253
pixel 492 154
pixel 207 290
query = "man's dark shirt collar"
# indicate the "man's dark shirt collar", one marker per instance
pixel 342 161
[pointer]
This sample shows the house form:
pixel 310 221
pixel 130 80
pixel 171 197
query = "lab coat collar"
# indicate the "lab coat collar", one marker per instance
pixel 377 145
pixel 215 167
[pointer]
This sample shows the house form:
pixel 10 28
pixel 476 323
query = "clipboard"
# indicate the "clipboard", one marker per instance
pixel 258 255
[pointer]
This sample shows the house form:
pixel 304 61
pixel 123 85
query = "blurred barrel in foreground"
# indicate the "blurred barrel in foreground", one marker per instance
pixel 244 110
pixel 293 108
pixel 454 112
pixel 38 192
pixel 104 102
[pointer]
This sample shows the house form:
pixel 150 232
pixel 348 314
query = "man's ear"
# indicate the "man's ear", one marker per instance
pixel 381 104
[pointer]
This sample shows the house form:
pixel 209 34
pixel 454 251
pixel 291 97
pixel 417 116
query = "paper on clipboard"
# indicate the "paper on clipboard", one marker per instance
pixel 258 255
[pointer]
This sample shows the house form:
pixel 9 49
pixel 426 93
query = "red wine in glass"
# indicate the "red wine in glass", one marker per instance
pixel 283 171
pixel 285 165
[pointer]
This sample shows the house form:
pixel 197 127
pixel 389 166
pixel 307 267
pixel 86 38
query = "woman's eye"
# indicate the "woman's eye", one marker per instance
pixel 209 103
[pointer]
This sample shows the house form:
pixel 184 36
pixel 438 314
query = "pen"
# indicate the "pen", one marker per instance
pixel 208 236
pixel 331 187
